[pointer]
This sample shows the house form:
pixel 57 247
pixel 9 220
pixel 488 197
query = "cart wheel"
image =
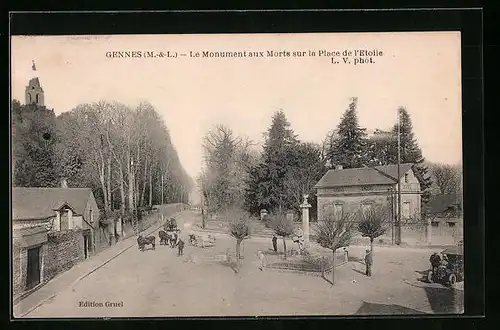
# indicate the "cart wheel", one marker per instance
pixel 452 280
pixel 429 276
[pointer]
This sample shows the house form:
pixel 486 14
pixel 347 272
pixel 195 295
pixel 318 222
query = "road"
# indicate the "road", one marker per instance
pixel 160 284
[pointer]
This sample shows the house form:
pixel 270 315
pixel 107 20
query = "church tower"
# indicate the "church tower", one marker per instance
pixel 34 91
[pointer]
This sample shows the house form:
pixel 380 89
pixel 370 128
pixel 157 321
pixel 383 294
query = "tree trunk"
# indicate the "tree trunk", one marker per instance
pixel 151 185
pixel 371 246
pixel 108 178
pixel 284 246
pixel 333 267
pixel 144 180
pixel 122 192
pixel 238 248
pixel 102 180
pixel 130 183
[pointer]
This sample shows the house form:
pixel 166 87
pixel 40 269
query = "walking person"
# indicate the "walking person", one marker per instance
pixel 180 246
pixel 262 260
pixel 275 244
pixel 368 263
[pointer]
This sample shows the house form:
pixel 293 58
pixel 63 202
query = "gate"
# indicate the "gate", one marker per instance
pixel 33 270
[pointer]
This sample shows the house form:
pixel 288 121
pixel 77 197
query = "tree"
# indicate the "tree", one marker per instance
pixel 227 157
pixel 335 232
pixel 282 226
pixel 373 222
pixel 410 152
pixel 349 147
pixel 305 170
pixel 33 141
pixel 447 178
pixel 266 179
pixel 239 228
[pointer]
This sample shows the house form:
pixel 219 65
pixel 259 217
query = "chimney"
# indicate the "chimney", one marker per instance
pixel 338 167
pixel 64 183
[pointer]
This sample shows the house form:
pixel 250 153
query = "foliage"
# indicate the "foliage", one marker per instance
pixel 335 231
pixel 305 171
pixel 227 160
pixel 373 222
pixel 282 225
pixel 447 178
pixel 349 147
pixel 239 223
pixel 121 152
pixel 33 141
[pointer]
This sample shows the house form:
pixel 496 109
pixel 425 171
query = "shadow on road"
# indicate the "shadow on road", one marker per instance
pixel 445 300
pixel 359 271
pixel 386 309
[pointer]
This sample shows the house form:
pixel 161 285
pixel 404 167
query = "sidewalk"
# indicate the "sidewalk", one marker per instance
pixel 69 278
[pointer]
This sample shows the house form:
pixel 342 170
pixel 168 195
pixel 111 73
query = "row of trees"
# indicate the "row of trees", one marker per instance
pixel 287 168
pixel 120 152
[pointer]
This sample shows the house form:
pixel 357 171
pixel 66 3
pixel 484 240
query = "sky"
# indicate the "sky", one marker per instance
pixel 420 71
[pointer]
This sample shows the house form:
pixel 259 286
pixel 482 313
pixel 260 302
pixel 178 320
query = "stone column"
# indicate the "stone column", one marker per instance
pixel 428 232
pixel 305 219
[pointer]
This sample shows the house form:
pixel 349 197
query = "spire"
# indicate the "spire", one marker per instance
pixel 33 66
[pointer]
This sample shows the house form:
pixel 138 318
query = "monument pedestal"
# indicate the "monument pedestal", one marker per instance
pixel 305 220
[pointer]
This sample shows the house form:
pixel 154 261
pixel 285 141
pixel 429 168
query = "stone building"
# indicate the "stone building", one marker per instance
pixel 446 218
pixel 34 92
pixel 350 190
pixel 53 228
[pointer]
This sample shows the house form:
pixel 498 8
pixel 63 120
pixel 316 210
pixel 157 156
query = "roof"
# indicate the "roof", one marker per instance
pixel 40 203
pixel 34 82
pixel 440 203
pixel 362 176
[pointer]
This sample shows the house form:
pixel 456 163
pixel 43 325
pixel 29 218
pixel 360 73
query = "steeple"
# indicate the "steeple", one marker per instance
pixel 34 91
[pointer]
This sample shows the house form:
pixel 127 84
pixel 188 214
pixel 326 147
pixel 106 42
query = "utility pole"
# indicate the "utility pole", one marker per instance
pixel 161 206
pixel 398 222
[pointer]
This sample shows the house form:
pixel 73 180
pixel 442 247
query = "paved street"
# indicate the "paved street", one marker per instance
pixel 159 283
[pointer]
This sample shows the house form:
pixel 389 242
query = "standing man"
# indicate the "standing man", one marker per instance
pixel 180 246
pixel 368 263
pixel 275 244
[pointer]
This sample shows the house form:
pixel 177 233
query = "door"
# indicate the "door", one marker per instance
pixel 33 271
pixel 85 245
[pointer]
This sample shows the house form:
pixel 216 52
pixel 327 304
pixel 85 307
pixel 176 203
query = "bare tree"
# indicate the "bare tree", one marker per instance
pixel 374 222
pixel 447 178
pixel 239 228
pixel 335 232
pixel 282 226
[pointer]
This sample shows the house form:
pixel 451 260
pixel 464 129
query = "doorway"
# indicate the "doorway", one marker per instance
pixel 86 245
pixel 33 268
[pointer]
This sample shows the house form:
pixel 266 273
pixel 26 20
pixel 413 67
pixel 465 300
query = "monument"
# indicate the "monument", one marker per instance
pixel 305 219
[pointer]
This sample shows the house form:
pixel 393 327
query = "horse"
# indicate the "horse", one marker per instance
pixel 173 239
pixel 143 241
pixel 164 237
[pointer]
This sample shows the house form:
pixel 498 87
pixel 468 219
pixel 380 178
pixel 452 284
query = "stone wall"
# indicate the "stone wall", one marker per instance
pixel 22 240
pixel 64 250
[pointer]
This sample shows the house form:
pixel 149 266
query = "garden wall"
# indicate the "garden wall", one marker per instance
pixel 64 250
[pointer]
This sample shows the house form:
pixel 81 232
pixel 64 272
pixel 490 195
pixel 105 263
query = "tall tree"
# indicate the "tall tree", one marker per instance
pixel 447 178
pixel 33 141
pixel 411 152
pixel 349 148
pixel 266 186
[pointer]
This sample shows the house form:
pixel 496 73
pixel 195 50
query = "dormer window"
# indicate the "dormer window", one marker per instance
pixel 406 177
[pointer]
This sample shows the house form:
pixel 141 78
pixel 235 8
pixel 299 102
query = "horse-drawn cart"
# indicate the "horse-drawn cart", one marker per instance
pixel 203 240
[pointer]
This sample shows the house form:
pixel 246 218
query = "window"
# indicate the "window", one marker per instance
pixel 406 177
pixel 91 217
pixel 435 224
pixel 405 212
pixel 36 98
pixel 451 224
pixel 338 209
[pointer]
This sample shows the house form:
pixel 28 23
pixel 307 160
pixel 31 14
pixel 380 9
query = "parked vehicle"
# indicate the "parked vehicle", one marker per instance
pixel 449 268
